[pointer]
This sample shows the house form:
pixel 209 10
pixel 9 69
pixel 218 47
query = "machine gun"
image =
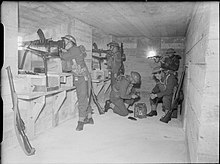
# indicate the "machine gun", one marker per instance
pixel 53 48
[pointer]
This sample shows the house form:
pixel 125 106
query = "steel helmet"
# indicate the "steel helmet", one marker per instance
pixel 136 76
pixel 170 51
pixel 71 38
pixel 115 44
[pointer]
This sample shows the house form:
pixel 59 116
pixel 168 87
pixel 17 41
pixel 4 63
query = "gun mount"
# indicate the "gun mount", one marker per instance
pixel 52 50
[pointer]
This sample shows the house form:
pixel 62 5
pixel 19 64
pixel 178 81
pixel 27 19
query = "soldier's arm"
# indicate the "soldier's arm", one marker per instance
pixel 155 89
pixel 171 83
pixel 66 55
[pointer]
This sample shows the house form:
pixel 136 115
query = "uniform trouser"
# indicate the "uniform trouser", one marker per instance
pixel 82 92
pixel 166 102
pixel 115 72
pixel 119 103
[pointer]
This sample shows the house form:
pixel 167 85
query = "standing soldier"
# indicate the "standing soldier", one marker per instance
pixel 163 90
pixel 115 61
pixel 122 92
pixel 73 56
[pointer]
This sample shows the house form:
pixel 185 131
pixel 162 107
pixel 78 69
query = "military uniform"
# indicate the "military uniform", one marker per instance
pixel 164 90
pixel 74 62
pixel 121 91
pixel 115 62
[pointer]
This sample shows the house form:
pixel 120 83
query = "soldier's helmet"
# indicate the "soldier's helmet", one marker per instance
pixel 70 38
pixel 170 51
pixel 136 76
pixel 115 44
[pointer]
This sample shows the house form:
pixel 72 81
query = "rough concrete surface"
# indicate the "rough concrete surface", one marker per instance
pixel 112 139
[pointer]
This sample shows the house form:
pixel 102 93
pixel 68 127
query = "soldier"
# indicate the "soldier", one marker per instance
pixel 73 56
pixel 163 90
pixel 121 92
pixel 170 61
pixel 115 61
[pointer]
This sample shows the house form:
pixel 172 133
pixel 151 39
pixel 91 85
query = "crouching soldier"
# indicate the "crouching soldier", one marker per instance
pixel 163 90
pixel 121 93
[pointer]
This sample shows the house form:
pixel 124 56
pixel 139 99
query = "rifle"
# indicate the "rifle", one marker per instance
pixel 18 122
pixel 175 99
pixel 122 53
pixel 101 58
pixel 49 44
pixel 95 99
pixel 156 58
pixel 100 51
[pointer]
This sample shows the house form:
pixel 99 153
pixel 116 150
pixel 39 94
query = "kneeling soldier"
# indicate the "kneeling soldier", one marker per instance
pixel 122 92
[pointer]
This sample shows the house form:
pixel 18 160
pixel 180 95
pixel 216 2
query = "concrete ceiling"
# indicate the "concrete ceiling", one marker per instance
pixel 149 19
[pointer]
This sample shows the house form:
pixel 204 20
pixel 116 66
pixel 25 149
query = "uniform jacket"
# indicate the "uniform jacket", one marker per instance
pixel 114 61
pixel 74 61
pixel 123 87
pixel 165 86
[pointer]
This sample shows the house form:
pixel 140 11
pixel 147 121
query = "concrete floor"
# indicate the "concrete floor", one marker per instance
pixel 112 139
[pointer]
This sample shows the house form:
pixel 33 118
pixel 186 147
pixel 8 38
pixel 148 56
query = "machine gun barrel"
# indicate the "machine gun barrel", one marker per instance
pixel 47 44
pixel 100 51
pixel 43 53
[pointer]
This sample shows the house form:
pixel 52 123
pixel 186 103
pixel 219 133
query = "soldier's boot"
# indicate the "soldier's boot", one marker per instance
pixel 130 111
pixel 174 113
pixel 167 117
pixel 153 111
pixel 107 105
pixel 80 126
pixel 127 106
pixel 88 121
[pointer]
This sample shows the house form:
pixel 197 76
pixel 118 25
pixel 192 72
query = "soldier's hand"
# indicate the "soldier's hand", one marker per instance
pixel 156 59
pixel 138 94
pixel 153 96
pixel 63 50
pixel 133 96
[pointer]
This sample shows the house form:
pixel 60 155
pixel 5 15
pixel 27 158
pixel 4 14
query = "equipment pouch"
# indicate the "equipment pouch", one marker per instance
pixel 140 110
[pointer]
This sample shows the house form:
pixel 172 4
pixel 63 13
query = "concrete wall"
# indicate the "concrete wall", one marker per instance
pixel 83 34
pixel 201 115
